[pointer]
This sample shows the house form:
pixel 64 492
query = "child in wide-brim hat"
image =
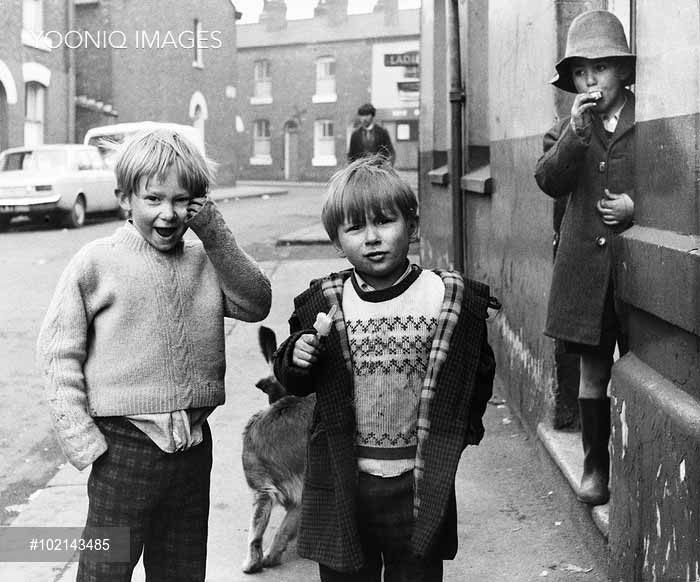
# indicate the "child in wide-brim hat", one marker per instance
pixel 589 157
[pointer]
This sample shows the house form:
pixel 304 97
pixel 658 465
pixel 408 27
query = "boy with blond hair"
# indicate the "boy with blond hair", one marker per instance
pixel 132 351
pixel 402 372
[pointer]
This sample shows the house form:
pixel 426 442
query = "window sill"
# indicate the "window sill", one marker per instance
pixel 324 161
pixel 261 161
pixel 329 98
pixel 34 40
pixel 439 176
pixel 478 181
pixel 260 100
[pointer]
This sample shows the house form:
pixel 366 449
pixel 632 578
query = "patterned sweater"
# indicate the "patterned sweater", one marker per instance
pixel 133 330
pixel 390 333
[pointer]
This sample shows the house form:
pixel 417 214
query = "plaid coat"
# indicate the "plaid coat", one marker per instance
pixel 457 386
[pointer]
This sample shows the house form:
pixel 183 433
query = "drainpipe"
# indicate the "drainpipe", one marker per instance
pixel 70 74
pixel 455 154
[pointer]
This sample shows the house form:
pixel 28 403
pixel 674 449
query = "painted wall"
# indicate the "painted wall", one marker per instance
pixel 385 93
pixel 656 425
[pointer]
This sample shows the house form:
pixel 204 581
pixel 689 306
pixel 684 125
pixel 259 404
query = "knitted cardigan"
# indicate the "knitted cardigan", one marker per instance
pixel 457 386
pixel 133 330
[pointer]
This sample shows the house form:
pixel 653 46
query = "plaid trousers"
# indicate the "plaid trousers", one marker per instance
pixel 162 497
pixel 385 506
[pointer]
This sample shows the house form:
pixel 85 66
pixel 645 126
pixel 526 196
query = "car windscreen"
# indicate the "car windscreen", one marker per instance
pixel 35 161
pixel 107 146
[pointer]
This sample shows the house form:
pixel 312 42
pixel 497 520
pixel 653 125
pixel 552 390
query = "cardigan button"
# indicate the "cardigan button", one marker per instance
pixel 601 167
pixel 601 241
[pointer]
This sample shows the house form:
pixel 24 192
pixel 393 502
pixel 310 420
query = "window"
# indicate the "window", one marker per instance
pixel 324 143
pixel 325 81
pixel 412 72
pixel 33 24
pixel 407 131
pixel 34 96
pixel 33 16
pixel 262 91
pixel 261 143
pixel 198 61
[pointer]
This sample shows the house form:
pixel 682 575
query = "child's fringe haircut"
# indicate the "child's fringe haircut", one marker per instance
pixel 152 153
pixel 366 186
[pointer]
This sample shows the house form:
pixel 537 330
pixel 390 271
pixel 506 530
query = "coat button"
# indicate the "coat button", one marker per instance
pixel 601 241
pixel 601 167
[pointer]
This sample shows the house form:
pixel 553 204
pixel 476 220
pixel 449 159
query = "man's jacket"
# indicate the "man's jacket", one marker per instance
pixel 380 143
pixel 457 387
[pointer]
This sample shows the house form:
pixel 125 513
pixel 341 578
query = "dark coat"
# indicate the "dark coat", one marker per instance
pixel 583 168
pixel 381 143
pixel 464 378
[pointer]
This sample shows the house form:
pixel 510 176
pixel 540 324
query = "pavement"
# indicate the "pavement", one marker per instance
pixel 516 521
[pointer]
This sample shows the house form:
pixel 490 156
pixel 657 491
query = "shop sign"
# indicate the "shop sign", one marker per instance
pixel 401 59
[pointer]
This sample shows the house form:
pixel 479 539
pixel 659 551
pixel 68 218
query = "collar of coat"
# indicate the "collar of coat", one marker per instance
pixel 624 124
pixel 452 304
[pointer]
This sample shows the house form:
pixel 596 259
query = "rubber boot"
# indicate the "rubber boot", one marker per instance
pixel 595 433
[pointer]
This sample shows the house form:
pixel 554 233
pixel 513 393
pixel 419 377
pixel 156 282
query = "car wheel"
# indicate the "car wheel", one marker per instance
pixel 76 217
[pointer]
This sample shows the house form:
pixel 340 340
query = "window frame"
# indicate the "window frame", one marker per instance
pixel 262 82
pixel 325 90
pixel 198 62
pixel 261 143
pixel 34 113
pixel 324 143
pixel 33 25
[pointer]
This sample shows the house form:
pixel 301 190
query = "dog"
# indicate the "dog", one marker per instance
pixel 274 461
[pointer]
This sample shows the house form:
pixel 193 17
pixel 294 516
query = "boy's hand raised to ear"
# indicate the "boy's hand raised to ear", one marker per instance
pixel 306 350
pixel 194 206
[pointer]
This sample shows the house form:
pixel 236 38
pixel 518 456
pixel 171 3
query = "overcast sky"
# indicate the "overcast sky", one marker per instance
pixel 305 8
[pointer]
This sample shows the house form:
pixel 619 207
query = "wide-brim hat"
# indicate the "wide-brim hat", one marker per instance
pixel 596 34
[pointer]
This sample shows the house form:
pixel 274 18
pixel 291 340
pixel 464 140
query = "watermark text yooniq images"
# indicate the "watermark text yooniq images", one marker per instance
pixel 139 39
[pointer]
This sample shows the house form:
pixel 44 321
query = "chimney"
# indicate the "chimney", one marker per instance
pixel 274 15
pixel 336 11
pixel 390 8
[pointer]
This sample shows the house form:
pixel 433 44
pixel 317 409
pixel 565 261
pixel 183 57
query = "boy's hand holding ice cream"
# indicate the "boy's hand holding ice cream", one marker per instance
pixel 307 347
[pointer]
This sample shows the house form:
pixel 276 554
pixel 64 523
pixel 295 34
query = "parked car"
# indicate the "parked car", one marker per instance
pixel 103 136
pixel 59 183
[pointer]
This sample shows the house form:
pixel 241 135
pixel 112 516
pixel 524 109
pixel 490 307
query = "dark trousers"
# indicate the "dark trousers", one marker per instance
pixel 162 497
pixel 386 521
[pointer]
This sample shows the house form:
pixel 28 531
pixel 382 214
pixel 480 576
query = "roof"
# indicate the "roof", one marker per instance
pixel 317 30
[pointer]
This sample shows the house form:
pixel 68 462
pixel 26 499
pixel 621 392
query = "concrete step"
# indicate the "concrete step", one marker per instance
pixel 564 447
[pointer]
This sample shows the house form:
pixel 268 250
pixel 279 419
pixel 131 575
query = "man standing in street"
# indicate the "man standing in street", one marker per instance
pixel 370 138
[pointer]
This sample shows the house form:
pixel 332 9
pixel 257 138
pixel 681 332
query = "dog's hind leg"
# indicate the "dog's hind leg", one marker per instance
pixel 285 534
pixel 259 518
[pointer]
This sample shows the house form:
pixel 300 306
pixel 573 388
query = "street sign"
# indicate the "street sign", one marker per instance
pixel 401 59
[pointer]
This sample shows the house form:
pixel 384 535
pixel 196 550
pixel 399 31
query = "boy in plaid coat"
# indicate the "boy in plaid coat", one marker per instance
pixel 402 374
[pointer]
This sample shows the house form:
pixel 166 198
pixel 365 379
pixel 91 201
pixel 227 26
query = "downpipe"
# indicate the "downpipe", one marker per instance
pixel 457 98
